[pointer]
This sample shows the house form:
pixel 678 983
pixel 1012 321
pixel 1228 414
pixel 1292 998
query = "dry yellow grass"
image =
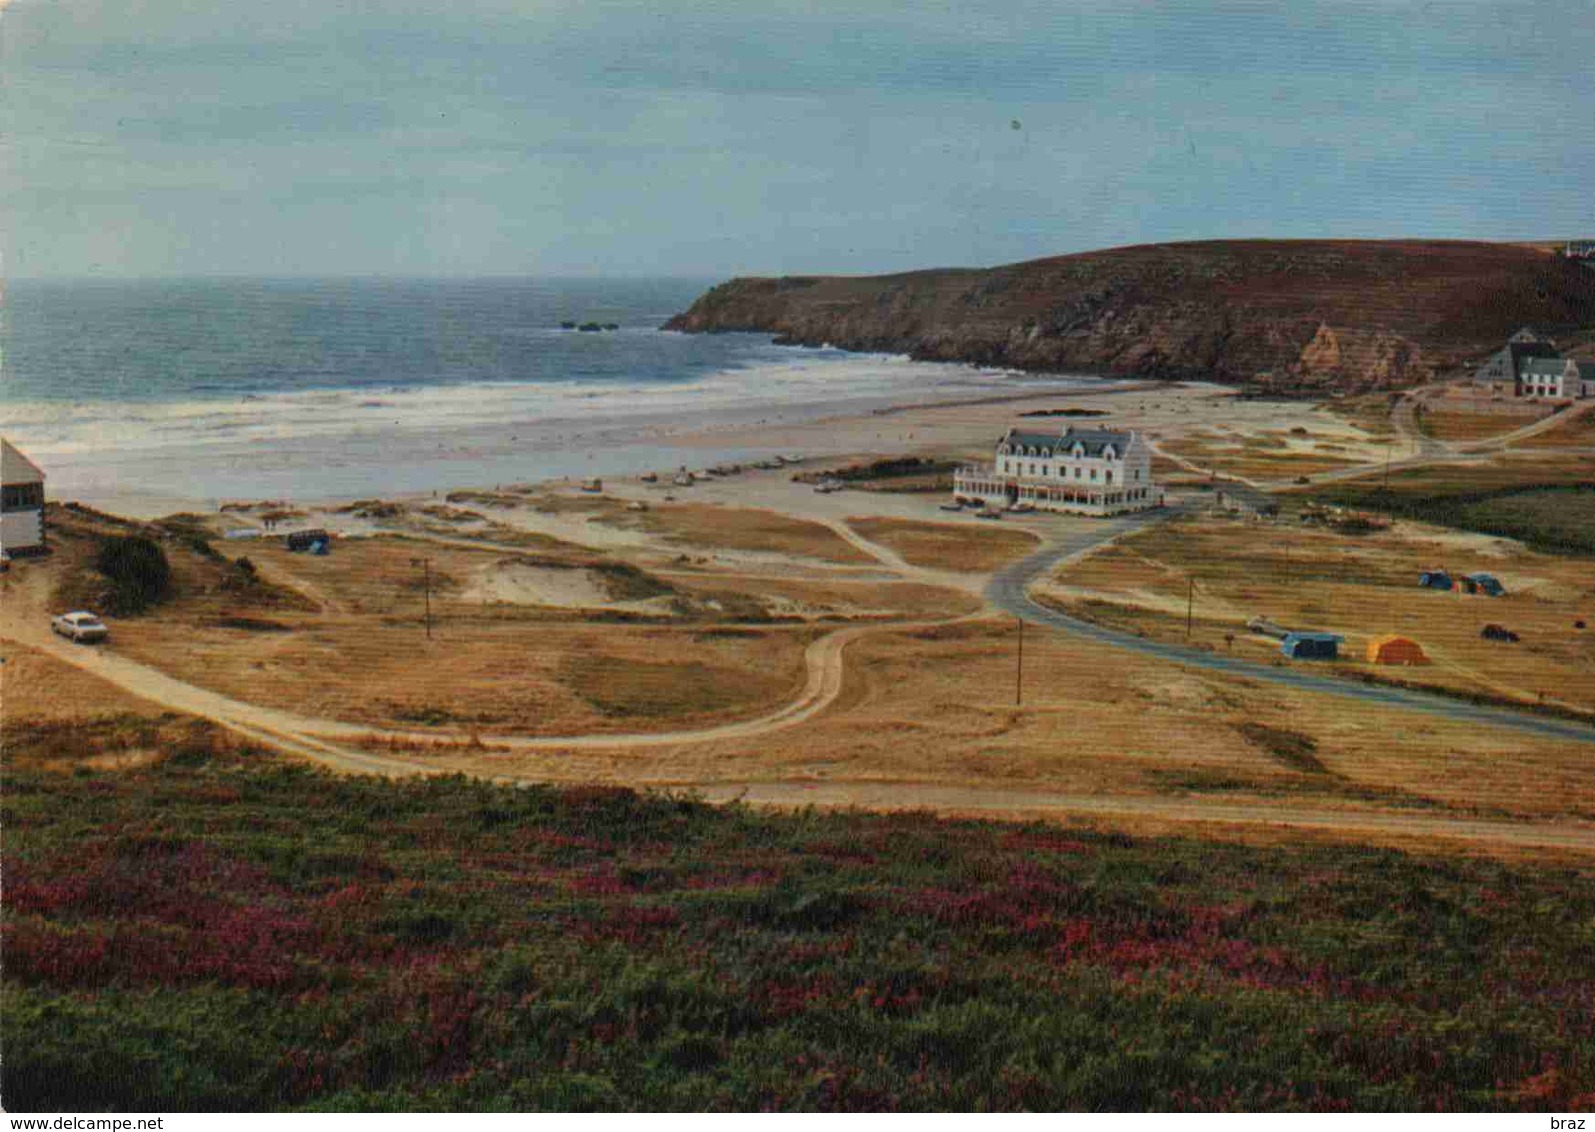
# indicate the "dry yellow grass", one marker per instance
pixel 1578 432
pixel 1449 424
pixel 1360 586
pixel 745 528
pixel 348 642
pixel 494 676
pixel 825 598
pixel 385 575
pixel 930 713
pixel 1369 412
pixel 1257 461
pixel 947 546
pixel 38 688
pixel 56 717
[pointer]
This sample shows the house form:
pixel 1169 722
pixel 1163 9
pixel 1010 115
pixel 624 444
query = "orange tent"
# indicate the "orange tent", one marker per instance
pixel 1393 649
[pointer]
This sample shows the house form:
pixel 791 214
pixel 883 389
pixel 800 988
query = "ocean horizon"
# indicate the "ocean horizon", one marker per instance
pixel 221 388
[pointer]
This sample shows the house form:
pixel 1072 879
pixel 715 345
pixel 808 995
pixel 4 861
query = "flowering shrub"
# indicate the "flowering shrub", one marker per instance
pixel 219 931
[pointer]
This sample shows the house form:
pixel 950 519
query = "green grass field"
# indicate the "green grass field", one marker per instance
pixel 1555 519
pixel 219 931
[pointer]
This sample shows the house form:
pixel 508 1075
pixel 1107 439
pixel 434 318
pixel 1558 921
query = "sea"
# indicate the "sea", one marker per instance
pixel 200 391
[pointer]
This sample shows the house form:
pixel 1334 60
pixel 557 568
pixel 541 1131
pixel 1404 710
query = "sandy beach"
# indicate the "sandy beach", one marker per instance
pixel 323 446
pixel 346 458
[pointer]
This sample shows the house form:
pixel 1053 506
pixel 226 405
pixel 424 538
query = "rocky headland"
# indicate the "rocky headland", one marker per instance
pixel 1288 316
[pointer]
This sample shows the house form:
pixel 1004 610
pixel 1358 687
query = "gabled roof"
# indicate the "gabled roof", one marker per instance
pixel 1529 334
pixel 1294 636
pixel 1521 350
pixel 17 468
pixel 1093 440
pixel 1031 439
pixel 1551 365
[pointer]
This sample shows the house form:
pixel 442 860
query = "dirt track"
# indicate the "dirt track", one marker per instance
pixel 1038 805
pixel 334 744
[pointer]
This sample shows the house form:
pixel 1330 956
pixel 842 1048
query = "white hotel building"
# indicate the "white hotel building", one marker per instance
pixel 1085 471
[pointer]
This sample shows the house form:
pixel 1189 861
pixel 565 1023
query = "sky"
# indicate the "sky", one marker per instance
pixel 709 138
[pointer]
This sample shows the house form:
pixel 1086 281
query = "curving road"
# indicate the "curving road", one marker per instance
pixel 1009 590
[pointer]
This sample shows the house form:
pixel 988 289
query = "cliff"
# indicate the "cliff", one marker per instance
pixel 1289 315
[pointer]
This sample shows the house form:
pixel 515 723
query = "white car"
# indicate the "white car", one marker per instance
pixel 80 626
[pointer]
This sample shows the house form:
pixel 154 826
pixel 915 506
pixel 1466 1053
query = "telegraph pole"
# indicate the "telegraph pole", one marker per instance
pixel 426 589
pixel 1190 604
pixel 1019 668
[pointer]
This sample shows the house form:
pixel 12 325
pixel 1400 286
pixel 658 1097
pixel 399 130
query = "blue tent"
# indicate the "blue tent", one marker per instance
pixel 1311 646
pixel 1483 583
pixel 1435 579
pixel 306 540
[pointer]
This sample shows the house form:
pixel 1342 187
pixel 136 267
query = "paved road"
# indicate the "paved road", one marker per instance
pixel 1008 591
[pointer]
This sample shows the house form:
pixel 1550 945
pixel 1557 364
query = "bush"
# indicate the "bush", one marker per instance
pixel 138 572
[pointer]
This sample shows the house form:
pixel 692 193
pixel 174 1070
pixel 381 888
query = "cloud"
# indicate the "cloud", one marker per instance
pixel 705 136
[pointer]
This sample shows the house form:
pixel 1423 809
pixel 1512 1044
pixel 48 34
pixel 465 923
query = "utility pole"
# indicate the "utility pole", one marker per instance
pixel 1019 668
pixel 426 589
pixel 1190 605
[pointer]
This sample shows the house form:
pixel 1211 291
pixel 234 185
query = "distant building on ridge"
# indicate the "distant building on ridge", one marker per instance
pixel 1529 365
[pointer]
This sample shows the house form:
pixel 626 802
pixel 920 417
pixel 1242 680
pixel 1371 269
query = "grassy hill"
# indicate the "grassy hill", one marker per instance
pixel 1291 315
pixel 217 930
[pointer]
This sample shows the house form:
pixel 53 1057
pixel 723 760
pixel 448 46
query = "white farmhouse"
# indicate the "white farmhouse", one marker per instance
pixel 1529 365
pixel 1558 378
pixel 1085 471
pixel 21 502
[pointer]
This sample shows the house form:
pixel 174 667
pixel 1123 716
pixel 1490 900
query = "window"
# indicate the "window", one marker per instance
pixel 22 495
pixel 1093 473
pixel 1109 475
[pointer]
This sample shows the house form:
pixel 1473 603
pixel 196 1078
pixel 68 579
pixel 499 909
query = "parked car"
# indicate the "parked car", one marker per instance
pixel 80 626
